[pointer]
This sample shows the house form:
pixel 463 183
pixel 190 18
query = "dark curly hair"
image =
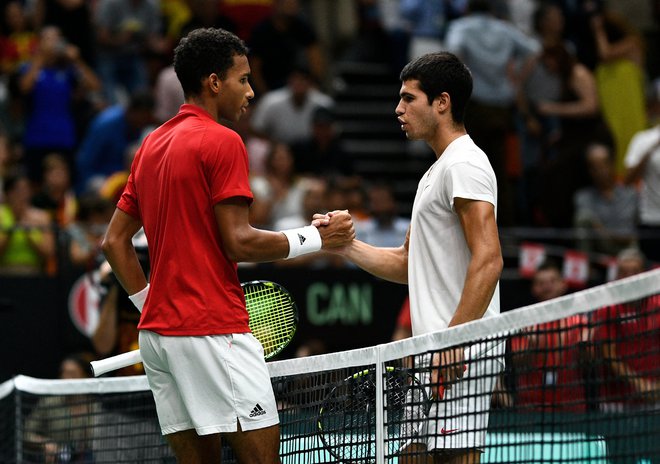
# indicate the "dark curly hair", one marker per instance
pixel 203 52
pixel 442 72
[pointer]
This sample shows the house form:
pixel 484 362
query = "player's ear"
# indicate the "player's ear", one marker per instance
pixel 214 83
pixel 442 102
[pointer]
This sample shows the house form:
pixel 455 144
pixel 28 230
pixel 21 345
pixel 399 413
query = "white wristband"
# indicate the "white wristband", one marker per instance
pixel 139 298
pixel 303 240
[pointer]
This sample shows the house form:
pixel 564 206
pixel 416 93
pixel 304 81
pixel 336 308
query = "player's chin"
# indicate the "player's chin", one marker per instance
pixel 410 135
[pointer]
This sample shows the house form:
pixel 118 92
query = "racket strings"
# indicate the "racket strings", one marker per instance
pixel 348 418
pixel 272 316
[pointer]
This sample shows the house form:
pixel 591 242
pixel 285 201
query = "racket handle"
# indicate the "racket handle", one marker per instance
pixel 113 363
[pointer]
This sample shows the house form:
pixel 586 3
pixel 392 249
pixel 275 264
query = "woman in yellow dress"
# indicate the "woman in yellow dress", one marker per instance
pixel 620 79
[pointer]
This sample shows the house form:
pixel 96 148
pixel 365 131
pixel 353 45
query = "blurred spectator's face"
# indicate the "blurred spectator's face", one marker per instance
pixel 629 267
pixel 281 161
pixel 71 370
pixel 14 16
pixel 57 176
pixel 20 194
pixel 299 85
pixel 553 22
pixel 600 166
pixel 336 199
pixel 51 41
pixel 381 203
pixel 314 200
pixel 324 132
pixel 548 284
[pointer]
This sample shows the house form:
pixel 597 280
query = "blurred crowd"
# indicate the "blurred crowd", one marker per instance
pixel 565 104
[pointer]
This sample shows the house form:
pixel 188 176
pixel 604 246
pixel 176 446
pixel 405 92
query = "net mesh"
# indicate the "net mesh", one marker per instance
pixel 576 379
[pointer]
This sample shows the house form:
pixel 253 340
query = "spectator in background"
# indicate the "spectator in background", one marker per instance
pixel 56 193
pixel 397 29
pixel 279 192
pixel 643 165
pixel 296 43
pixel 403 327
pixel 489 47
pixel 322 154
pixel 246 15
pixel 428 21
pixel 285 115
pixel 168 95
pixel 620 79
pixel 630 262
pixel 126 31
pixel 384 227
pixel 314 200
pixel 74 19
pixel 257 146
pixel 628 353
pixel 61 427
pixel 85 234
pixel 18 41
pixel 27 242
pixel 547 358
pixel 117 330
pixel 580 124
pixel 605 211
pixel 541 79
pixel 207 13
pixel 49 83
pixel 111 132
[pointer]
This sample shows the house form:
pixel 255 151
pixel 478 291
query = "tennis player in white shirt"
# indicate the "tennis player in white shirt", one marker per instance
pixel 451 258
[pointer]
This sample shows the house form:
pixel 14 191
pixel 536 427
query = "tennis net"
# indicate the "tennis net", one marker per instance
pixel 575 379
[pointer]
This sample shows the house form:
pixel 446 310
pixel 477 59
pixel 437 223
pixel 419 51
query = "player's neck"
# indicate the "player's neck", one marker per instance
pixel 206 104
pixel 445 136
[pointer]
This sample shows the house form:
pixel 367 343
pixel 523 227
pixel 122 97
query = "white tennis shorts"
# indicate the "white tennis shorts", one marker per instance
pixel 209 383
pixel 460 419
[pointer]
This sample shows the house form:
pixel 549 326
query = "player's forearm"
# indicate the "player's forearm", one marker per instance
pixel 480 283
pixel 105 335
pixel 386 263
pixel 125 265
pixel 257 246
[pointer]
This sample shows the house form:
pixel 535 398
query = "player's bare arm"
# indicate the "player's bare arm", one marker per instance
pixel 244 243
pixel 120 253
pixel 386 263
pixel 480 228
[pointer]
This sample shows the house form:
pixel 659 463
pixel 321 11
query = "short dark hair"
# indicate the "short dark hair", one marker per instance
pixel 203 52
pixel 442 72
pixel 549 264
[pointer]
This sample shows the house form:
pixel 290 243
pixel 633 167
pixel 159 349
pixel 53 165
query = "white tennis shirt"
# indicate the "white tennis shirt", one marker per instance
pixel 438 253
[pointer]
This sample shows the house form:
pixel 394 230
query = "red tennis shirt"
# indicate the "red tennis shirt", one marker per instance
pixel 180 172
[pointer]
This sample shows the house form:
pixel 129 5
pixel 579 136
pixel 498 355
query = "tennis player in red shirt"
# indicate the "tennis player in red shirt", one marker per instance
pixel 189 189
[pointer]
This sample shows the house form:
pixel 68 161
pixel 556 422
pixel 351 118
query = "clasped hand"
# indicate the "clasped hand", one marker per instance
pixel 336 228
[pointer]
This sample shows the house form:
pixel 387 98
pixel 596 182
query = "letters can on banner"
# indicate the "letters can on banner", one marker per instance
pixel 339 303
pixel 530 258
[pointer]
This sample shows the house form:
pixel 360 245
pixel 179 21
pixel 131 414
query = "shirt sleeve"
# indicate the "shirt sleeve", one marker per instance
pixel 469 181
pixel 639 145
pixel 128 202
pixel 227 169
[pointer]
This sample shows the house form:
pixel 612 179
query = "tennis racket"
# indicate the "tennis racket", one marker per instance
pixel 273 321
pixel 346 422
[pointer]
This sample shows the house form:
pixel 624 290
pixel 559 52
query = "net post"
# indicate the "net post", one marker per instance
pixel 380 410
